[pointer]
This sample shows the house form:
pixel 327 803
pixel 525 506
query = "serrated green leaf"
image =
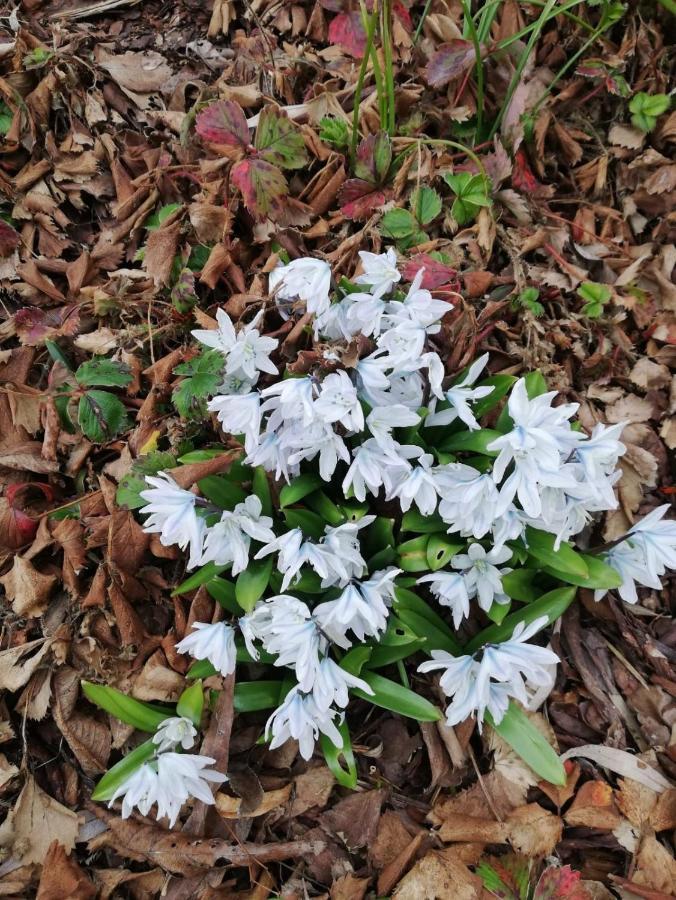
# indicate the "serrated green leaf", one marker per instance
pixel 278 140
pixel 425 204
pixel 203 375
pixel 103 373
pixel 398 224
pixel 530 744
pixel 101 416
pixel 128 494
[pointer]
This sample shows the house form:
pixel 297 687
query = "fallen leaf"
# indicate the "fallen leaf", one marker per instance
pixel 439 876
pixel 35 821
pixel 27 589
pixel 62 878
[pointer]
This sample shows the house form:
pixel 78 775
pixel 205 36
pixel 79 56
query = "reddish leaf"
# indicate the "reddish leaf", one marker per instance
pixel 278 140
pixel 374 157
pixel 263 187
pixel 404 15
pixel 437 274
pixel 359 198
pixel 450 61
pixel 34 326
pixel 522 177
pixel 17 528
pixel 560 884
pixel 347 30
pixel 223 122
pixel 9 238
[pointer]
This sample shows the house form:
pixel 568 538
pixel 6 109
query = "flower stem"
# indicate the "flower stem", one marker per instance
pixel 386 31
pixel 369 24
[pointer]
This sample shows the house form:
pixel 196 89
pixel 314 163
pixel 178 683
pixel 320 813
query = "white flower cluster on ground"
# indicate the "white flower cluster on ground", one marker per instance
pixel 357 424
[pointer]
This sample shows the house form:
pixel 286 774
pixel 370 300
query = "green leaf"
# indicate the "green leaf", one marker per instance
pixel 298 488
pixel 133 712
pixel 384 656
pixel 253 696
pixel 552 605
pixel 440 550
pixel 398 224
pixel 356 658
pixel 501 385
pixel 397 698
pixel 518 585
pixel 261 488
pixel 129 489
pixel 278 140
pixel 346 775
pixel 498 611
pixel 252 582
pixel 203 374
pixel 263 186
pixel 334 131
pixel 320 503
pixel 103 372
pixel 158 218
pixel 540 544
pixel 419 524
pixel 426 204
pixel 646 109
pixel 600 576
pixel 122 770
pixel 434 638
pixel 310 523
pixel 413 554
pixel 198 578
pixel 221 491
pixel 101 416
pixel 191 703
pixel 223 592
pixel 201 668
pixel 5 118
pixel 471 441
pixel 411 609
pixel 523 737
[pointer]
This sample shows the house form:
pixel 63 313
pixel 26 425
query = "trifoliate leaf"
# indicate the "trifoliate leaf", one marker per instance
pixel 278 141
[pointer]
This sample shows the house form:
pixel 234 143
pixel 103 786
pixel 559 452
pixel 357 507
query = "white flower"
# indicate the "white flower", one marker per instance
pixel 459 396
pixel 239 414
pixel 332 684
pixel 656 539
pixel 215 642
pixel 167 781
pixel 228 541
pixel 341 545
pixel 173 731
pixel 417 485
pixel 371 467
pixel 287 629
pixel 421 307
pixel 304 279
pixel 306 442
pixel 630 561
pixel 403 344
pixel 509 526
pixel 173 516
pixel 338 402
pixel 372 382
pixel 273 456
pixel 290 400
pixel 600 452
pixel 450 590
pixel 338 321
pixel 365 313
pixel 468 499
pixel 361 608
pixel 408 388
pixel 299 717
pixel 246 351
pixel 248 629
pixel 291 555
pixel 471 682
pixel 380 270
pixel 482 577
pixel 382 419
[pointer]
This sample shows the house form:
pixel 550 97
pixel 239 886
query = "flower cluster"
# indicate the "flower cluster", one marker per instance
pixel 376 441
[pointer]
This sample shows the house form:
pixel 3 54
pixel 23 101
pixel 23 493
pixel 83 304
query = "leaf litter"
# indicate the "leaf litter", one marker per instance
pixel 156 163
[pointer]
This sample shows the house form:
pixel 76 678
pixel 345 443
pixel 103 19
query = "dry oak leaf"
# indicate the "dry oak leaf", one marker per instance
pixel 655 867
pixel 311 789
pixel 230 807
pixel 354 820
pixel 594 807
pixel 63 878
pixel 530 830
pixel 349 887
pixel 439 876
pixel 35 821
pixel 88 738
pixel 27 589
pixel 69 533
pixel 27 455
pixel 644 807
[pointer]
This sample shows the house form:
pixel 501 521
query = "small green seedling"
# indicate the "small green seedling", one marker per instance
pixel 405 226
pixel 471 193
pixel 529 299
pixel 335 132
pixel 595 297
pixel 646 109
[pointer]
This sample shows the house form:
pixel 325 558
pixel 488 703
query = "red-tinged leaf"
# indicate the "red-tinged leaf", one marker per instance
pixel 9 238
pixel 263 187
pixel 224 123
pixel 348 32
pixel 436 275
pixel 560 884
pixel 34 326
pixel 450 61
pixel 278 141
pixel 403 14
pixel 374 157
pixel 358 198
pixel 17 528
pixel 522 176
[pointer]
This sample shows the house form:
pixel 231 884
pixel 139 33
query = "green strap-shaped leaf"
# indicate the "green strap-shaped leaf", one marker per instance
pixel 600 576
pixel 198 578
pixel 222 491
pixel 541 545
pixel 261 488
pixel 471 441
pixel 552 605
pixel 407 603
pixel 345 776
pixel 191 703
pixel 122 770
pixel 298 488
pixel 253 696
pixel 523 737
pixel 140 715
pixel 419 524
pixel 440 551
pixel 518 585
pixel 397 698
pixel 413 554
pixel 252 582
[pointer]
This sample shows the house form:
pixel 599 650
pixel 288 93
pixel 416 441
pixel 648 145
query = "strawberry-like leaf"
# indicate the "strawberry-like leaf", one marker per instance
pixel 560 884
pixel 224 123
pixel 359 198
pixel 374 157
pixel 263 187
pixel 450 61
pixel 347 30
pixel 278 141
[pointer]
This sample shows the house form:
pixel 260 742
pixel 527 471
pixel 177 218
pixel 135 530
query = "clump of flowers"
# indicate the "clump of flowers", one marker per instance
pixel 406 499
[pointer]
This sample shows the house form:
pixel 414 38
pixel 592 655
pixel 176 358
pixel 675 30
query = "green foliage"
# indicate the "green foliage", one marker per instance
pixel 336 132
pixel 159 217
pixel 5 118
pixel 516 728
pixel 471 194
pixel 405 226
pixel 129 489
pixel 101 416
pixel 203 374
pixel 646 109
pixel 595 297
pixel 529 299
pixel 101 372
